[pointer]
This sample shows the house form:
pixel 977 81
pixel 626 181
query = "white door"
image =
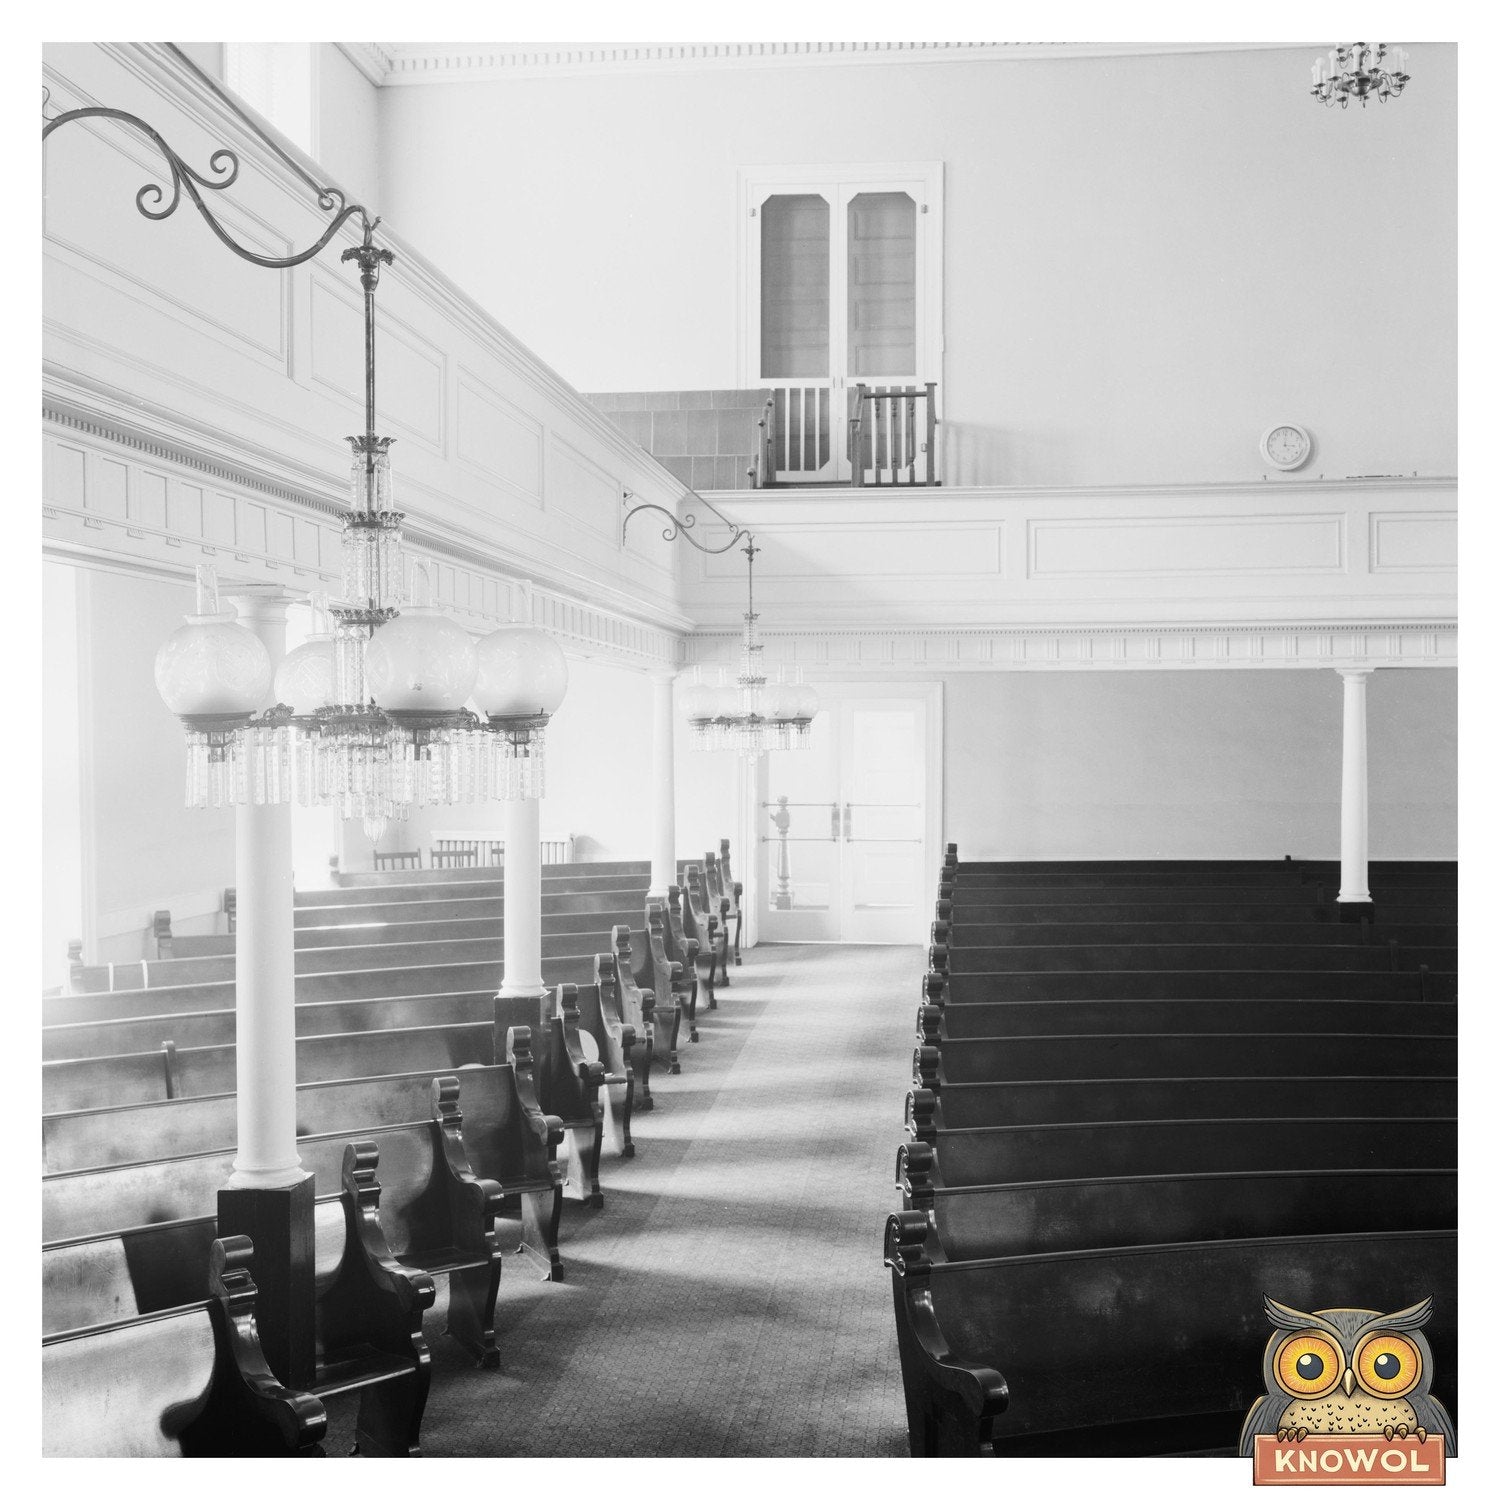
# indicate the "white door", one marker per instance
pixel 841 292
pixel 844 830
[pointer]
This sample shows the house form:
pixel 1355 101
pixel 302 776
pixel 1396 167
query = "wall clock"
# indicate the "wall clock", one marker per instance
pixel 1285 446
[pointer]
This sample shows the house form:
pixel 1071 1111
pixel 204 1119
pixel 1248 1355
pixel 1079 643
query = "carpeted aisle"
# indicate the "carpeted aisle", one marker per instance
pixel 729 1300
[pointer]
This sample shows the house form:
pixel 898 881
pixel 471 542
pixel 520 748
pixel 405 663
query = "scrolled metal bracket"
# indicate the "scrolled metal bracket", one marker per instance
pixel 679 527
pixel 223 171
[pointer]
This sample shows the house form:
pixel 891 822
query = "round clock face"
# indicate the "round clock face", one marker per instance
pixel 1285 445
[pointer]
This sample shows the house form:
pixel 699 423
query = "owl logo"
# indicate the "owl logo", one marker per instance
pixel 1347 1370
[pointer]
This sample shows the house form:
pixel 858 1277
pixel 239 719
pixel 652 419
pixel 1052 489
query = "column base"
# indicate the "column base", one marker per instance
pixel 1355 899
pixel 279 1222
pixel 535 991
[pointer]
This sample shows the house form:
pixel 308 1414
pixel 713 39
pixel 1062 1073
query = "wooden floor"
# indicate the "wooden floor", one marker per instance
pixel 729 1300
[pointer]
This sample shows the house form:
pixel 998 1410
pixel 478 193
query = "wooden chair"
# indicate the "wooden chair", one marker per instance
pixel 456 857
pixel 735 891
pixel 399 859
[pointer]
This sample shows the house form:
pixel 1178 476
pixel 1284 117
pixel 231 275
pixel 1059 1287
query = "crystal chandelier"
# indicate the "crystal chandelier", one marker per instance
pixel 1358 71
pixel 369 715
pixel 751 715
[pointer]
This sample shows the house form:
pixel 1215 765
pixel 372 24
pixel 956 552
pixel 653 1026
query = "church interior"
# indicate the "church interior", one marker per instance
pixel 751 750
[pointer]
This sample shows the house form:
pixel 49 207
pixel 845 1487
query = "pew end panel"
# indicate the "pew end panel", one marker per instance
pixel 370 1322
pixel 951 1405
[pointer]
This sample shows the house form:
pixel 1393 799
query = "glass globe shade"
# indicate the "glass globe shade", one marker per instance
pixel 778 700
pixel 307 678
pixel 728 701
pixel 806 701
pixel 211 664
pixel 523 673
pixel 697 701
pixel 420 662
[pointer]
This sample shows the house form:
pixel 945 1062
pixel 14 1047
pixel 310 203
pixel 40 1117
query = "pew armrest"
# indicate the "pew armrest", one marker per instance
pixel 375 1300
pixel 473 1201
pixel 952 1404
pixel 250 1398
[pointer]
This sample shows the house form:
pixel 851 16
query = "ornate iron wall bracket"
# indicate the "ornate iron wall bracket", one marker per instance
pixel 678 528
pixel 224 167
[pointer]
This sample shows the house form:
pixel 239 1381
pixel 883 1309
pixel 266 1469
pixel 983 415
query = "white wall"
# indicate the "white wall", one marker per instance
pixel 348 130
pixel 62 773
pixel 1149 259
pixel 148 850
pixel 1193 764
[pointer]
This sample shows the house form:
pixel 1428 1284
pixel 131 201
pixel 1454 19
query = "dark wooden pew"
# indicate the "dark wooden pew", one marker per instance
pixel 681 949
pixel 1388 958
pixel 936 1024
pixel 735 891
pixel 1187 908
pixel 508 1138
pixel 1123 1148
pixel 1189 1055
pixel 961 937
pixel 190 1381
pixel 610 1041
pixel 1151 1349
pixel 626 1005
pixel 1040 1218
pixel 369 1305
pixel 658 974
pixel 702 926
pixel 1196 984
pixel 1077 1100
pixel 720 897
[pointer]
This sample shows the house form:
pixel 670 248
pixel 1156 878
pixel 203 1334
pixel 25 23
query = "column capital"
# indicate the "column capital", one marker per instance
pixel 262 602
pixel 1355 673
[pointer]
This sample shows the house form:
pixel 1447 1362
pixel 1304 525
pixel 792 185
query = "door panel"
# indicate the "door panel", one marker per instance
pixel 844 827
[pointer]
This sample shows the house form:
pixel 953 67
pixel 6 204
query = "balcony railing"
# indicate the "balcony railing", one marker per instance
pixel 887 435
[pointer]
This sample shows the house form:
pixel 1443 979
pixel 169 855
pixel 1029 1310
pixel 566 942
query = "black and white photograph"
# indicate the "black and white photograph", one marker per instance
pixel 750 748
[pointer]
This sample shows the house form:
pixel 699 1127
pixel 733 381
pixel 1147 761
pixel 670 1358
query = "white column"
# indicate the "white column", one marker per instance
pixel 264 970
pixel 523 899
pixel 1354 823
pixel 663 789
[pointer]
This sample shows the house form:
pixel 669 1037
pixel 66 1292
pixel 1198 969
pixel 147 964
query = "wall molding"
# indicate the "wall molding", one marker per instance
pixel 389 64
pixel 1298 645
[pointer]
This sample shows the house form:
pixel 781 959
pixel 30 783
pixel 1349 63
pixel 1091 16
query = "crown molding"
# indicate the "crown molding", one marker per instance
pixel 1283 645
pixel 409 63
pixel 371 58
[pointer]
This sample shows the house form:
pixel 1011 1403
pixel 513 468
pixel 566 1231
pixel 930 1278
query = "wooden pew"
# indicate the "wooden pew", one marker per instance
pixel 1196 984
pixel 682 949
pixel 661 976
pixel 719 900
pixel 1079 1100
pixel 701 926
pixel 735 891
pixel 1121 1351
pixel 1308 958
pixel 1190 1055
pixel 506 1135
pixel 1123 1148
pixel 616 980
pixel 1042 1218
pixel 189 1381
pixel 963 936
pixel 936 1024
pixel 1272 906
pixel 369 1305
pixel 609 1040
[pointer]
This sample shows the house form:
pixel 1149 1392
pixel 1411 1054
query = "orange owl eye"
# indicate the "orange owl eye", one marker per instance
pixel 1387 1364
pixel 1308 1364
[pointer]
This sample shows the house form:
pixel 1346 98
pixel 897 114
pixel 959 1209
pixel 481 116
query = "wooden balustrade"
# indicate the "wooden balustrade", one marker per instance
pixel 886 435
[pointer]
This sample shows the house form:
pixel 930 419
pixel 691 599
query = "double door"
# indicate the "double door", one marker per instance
pixel 840 294
pixel 844 840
